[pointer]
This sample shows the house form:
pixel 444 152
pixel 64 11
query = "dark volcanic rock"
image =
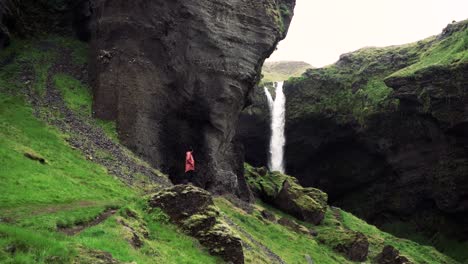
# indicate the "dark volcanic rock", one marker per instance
pixel 193 210
pixel 293 226
pixel 391 255
pixel 386 160
pixel 27 18
pixel 254 130
pixel 177 73
pixel 356 249
pixel 268 215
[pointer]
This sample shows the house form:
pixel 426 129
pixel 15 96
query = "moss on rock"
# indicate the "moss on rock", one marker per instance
pixel 193 210
pixel 284 192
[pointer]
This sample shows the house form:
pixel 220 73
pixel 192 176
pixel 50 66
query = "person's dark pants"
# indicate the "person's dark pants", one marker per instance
pixel 189 175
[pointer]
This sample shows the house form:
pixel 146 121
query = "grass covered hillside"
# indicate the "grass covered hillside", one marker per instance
pixel 275 71
pixel 356 86
pixel 62 201
pixel 70 193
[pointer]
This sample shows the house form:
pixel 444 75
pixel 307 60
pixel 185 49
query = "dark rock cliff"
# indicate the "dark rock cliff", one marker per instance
pixel 384 133
pixel 388 155
pixel 176 74
pixel 28 18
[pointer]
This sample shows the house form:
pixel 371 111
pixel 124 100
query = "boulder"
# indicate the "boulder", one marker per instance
pixel 282 191
pixel 306 204
pixel 267 215
pixel 391 255
pixel 193 210
pixel 291 224
pixel 356 248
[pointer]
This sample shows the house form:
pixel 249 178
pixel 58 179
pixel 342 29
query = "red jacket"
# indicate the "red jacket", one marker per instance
pixel 189 162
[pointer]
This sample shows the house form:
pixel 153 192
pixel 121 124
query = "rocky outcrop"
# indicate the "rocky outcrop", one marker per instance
pixel 193 210
pixel 356 248
pixel 282 191
pixel 391 255
pixel 176 74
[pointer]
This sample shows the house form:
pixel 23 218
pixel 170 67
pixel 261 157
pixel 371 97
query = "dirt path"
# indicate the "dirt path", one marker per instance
pixel 273 257
pixel 71 231
pixel 89 139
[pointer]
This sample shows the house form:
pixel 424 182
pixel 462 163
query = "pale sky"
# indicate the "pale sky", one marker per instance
pixel 322 30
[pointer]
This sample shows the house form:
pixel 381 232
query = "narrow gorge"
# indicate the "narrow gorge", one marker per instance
pixel 103 102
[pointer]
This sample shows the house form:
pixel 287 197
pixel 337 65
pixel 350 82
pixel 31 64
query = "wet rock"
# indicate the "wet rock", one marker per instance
pixel 193 210
pixel 391 255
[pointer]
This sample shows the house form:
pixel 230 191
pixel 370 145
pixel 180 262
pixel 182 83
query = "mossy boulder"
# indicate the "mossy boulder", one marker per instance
pixel 285 193
pixel 134 228
pixel 194 211
pixel 353 245
pixel 391 255
pixel 90 256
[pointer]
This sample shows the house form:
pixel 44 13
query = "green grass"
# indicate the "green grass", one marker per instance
pixel 447 52
pixel 287 244
pixel 26 54
pixel 331 231
pixel 67 177
pixel 76 95
pixel 163 245
pixel 109 127
pixel 354 89
pixel 446 245
pixel 69 189
pixel 32 247
pixel 414 251
pixel 283 70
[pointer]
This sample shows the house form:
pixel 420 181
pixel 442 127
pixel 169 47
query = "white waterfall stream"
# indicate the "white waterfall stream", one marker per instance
pixel 277 141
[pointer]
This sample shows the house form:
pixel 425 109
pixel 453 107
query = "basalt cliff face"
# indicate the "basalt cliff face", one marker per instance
pixel 176 74
pixel 384 132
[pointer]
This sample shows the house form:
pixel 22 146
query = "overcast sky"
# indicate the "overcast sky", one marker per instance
pixel 321 30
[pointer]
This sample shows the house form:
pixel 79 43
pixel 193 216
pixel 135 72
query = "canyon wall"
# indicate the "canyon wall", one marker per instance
pixel 176 74
pixel 384 132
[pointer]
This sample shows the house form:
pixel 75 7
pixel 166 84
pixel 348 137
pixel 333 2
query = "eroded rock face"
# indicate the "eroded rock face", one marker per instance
pixel 177 73
pixel 193 210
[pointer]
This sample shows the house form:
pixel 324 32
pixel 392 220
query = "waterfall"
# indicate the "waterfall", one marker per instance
pixel 277 141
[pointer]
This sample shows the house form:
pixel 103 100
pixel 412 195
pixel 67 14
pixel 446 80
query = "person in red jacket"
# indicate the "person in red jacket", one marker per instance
pixel 189 165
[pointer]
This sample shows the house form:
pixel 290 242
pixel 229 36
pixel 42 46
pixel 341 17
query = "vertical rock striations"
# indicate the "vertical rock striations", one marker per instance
pixel 177 73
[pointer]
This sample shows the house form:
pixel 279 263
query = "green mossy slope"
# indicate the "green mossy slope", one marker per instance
pixel 67 189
